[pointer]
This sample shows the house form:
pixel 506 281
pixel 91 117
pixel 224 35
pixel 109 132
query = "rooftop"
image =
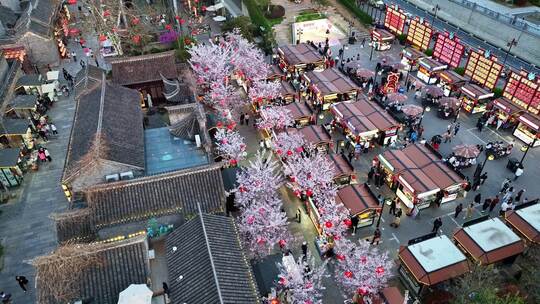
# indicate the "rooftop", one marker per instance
pixel 531 215
pixel 491 234
pixel 436 253
pixel 144 68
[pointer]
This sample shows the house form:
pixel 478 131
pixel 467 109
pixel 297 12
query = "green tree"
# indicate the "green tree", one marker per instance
pixel 243 23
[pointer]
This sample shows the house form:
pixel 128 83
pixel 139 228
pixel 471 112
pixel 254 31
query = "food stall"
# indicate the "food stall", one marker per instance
pixel 488 240
pixel 450 82
pixel 428 261
pixel 528 129
pixel 381 39
pixel 298 57
pixel 287 94
pixel 22 106
pixel 362 120
pixel 361 202
pixel 410 57
pixel 525 220
pixel 275 73
pixel 29 84
pixel 318 136
pixel 474 99
pixel 301 113
pixel 11 173
pixel 389 295
pixel 419 176
pixel 428 69
pixel 329 86
pixel 507 112
pixel 15 133
pixel 345 174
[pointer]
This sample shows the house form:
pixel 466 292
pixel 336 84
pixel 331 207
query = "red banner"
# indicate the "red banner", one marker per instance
pixel 394 20
pixel 448 49
pixel 483 68
pixel 523 89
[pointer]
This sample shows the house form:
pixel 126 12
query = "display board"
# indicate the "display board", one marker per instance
pixel 448 49
pixel 419 33
pixel 394 20
pixel 483 68
pixel 523 89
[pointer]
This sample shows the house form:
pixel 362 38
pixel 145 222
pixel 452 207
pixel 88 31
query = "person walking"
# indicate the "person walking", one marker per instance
pixel 262 146
pixel 456 128
pixel 504 207
pixel 399 212
pixel 393 206
pixel 376 236
pixel 486 204
pixel 467 188
pixel 304 249
pixel 370 175
pixel 22 282
pixel 165 288
pixel 508 194
pixel 246 118
pixel 41 155
pixel 437 224
pixel 494 203
pixel 483 178
pixel 242 117
pixel 53 129
pixel 504 185
pixel 520 195
pixel 47 154
pixel 478 198
pixel 396 222
pixel 469 212
pixel 519 172
pixel 74 56
pixel 458 210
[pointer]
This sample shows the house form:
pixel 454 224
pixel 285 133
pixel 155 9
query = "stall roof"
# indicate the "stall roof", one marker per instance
pixel 434 260
pixel 144 68
pixel 299 109
pixel 313 134
pixel 507 106
pixel 476 92
pixel 274 71
pixel 489 241
pixel 300 54
pixel 330 81
pixel 421 168
pixel 413 53
pixel 286 88
pixel 23 102
pixel 29 80
pixel 530 120
pixel 363 116
pixel 341 164
pixel 452 77
pixel 9 157
pixel 10 126
pixel 432 64
pixel 357 198
pixel 389 295
pixel 383 34
pixel 526 221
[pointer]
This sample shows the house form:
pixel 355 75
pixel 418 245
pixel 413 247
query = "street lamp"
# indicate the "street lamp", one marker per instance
pixel 409 71
pixel 435 9
pixel 509 45
pixel 480 168
pixel 372 47
pixel 425 109
pixel 342 52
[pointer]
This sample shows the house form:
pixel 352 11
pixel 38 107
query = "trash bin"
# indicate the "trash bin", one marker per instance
pixel 512 164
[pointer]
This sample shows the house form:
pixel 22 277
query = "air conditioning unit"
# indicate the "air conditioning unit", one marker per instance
pixel 112 178
pixel 126 175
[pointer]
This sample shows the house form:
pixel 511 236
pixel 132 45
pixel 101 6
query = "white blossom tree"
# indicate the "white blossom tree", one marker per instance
pixel 264 90
pixel 361 269
pixel 211 62
pixel 230 145
pixel 313 173
pixel 303 281
pixel 275 117
pixel 286 145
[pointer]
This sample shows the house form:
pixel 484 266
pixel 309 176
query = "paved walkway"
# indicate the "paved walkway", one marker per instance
pixel 25 227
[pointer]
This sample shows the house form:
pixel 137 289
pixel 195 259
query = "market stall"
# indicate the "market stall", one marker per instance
pixel 419 177
pixel 22 106
pixel 410 57
pixel 299 57
pixel 525 220
pixel 507 111
pixel 488 240
pixel 451 82
pixel 361 203
pixel 345 174
pixel 523 89
pixel 528 129
pixel 15 133
pixel 29 84
pixel 301 113
pixel 315 135
pixel 428 261
pixel 428 69
pixel 389 295
pixel 275 73
pixel 287 95
pixel 10 171
pixel 381 40
pixel 329 86
pixel 107 48
pixel 474 99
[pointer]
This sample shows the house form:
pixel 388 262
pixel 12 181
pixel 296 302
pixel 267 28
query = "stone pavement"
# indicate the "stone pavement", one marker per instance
pixel 25 226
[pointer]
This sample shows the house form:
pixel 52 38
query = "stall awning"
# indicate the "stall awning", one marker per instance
pixel 526 220
pixel 452 77
pixel 23 102
pixel 299 110
pixel 13 126
pixel 432 64
pixel 489 241
pixel 313 134
pixel 434 260
pixel 476 92
pixel 331 81
pixel 506 106
pixel 383 34
pixel 363 116
pixel 286 89
pixel 29 80
pixel 357 198
pixel 413 54
pixel 300 54
pixel 341 164
pixel 9 157
pixel 530 120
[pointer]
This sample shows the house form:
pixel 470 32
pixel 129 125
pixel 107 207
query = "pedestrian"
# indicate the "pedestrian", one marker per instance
pixel 351 155
pixel 22 282
pixel 508 194
pixel 448 136
pixel 493 203
pixel 469 212
pixel 83 64
pixel 486 204
pixel 47 154
pixel 396 222
pixel 41 155
pixel 504 207
pixel 242 116
pixel 165 288
pixel 376 236
pixel 380 199
pixel 393 205
pixel 298 215
pixel 478 198
pixel 370 174
pixel 355 221
pixel 366 146
pixel 262 145
pixel 483 178
pixel 363 43
pixel 458 210
pixel 74 56
pixel 519 195
pixel 5 297
pixel 408 85
pixel 480 124
pixel 377 177
pixel 96 60
pixel 53 129
pixel 417 94
pixel 399 212
pixel 437 223
pixel 304 249
pixel 456 128
pixel 246 118
pixel 519 172
pixel 357 151
pixel 467 188
pixel 504 185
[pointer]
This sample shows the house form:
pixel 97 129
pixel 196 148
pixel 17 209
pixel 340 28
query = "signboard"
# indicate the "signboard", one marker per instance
pixel 394 20
pixel 483 68
pixel 448 49
pixel 392 83
pixel 523 89
pixel 419 33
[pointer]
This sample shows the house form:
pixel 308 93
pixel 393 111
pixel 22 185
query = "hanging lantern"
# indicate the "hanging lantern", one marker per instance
pixel 231 126
pixel 73 31
pixel 289 152
pixel 282 243
pixel 182 21
pixel 340 257
pixel 309 193
pixel 297 193
pixel 379 270
pixel 168 27
pixel 102 37
pixel 347 222
pixel 136 39
pixel 177 18
pixel 203 8
pixel 261 241
pixel 106 13
pixel 250 220
pixel 299 149
pixel 274 301
pixel 135 21
pixel 362 291
pixel 282 281
pixel 233 162
pixel 363 259
pixel 219 124
pixel 348 274
pixel 278 151
pixel 72 2
pixel 114 29
pixel 328 224
pixel 292 179
pixel 242 189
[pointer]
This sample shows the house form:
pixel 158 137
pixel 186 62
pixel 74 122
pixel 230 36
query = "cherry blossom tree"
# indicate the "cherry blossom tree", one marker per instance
pixel 274 117
pixel 230 145
pixel 246 57
pixel 211 62
pixel 287 144
pixel 313 173
pixel 264 90
pixel 361 268
pixel 302 281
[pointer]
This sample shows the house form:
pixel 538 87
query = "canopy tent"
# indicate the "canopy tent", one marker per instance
pixel 136 294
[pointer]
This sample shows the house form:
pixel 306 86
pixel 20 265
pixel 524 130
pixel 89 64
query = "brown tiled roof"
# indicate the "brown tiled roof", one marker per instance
pixel 300 54
pixel 364 116
pixel 331 81
pixel 144 68
pixel 523 227
pixel 313 134
pixel 475 91
pixel 357 198
pixel 507 106
pixel 299 110
pixel 341 164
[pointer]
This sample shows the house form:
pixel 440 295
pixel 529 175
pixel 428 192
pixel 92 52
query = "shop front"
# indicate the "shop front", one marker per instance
pixel 62 30
pixel 29 84
pixel 361 203
pixel 428 70
pixel 451 82
pixel 275 73
pixel 507 111
pixel 11 173
pixel 299 57
pixel 475 99
pixel 317 136
pixel 528 129
pixel 410 57
pixel 381 39
pixel 525 221
pixel 301 113
pixel 488 240
pixel 429 261
pixel 345 174
pixel 328 87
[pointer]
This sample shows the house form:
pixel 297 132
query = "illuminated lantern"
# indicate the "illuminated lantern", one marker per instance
pixel 233 162
pixel 182 21
pixel 340 257
pixel 168 27
pixel 231 126
pixel 328 224
pixel 299 149
pixel 177 18
pixel 274 301
pixel 289 152
pixel 261 241
pixel 363 259
pixel 293 179
pixel 72 2
pixel 106 13
pixel 224 141
pixel 348 274
pixel 102 37
pixel 297 193
pixel 282 281
pixel 309 193
pixel 362 291
pixel 379 270
pixel 219 125
pixel 136 39
pixel 242 189
pixel 73 31
pixel 203 8
pixel 135 21
pixel 251 220
pixel 278 151
pixel 281 243
pixel 347 222
pixel 82 41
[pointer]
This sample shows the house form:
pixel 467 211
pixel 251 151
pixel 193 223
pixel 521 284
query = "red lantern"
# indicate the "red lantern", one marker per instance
pixel 233 162
pixel 231 126
pixel 297 193
pixel 203 8
pixel 242 189
pixel 299 149
pixel 168 27
pixel 219 124
pixel 177 17
pixel 379 270
pixel 289 152
pixel 337 237
pixel 102 37
pixel 274 301
pixel 348 274
pixel 261 241
pixel 282 281
pixel 106 13
pixel 309 193
pixel 182 21
pixel 72 2
pixel 363 259
pixel 340 257
pixel 347 222
pixel 135 21
pixel 362 291
pixel 282 243
pixel 73 31
pixel 278 151
pixel 293 179
pixel 328 224
pixel 136 39
pixel 82 41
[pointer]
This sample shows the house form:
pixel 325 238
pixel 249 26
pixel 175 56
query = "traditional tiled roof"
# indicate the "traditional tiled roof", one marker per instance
pixel 87 79
pixel 11 126
pixel 150 196
pixel 176 91
pixel 23 102
pixel 124 263
pixel 144 68
pixel 207 253
pixel 108 126
pixel 75 225
pixel 41 16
